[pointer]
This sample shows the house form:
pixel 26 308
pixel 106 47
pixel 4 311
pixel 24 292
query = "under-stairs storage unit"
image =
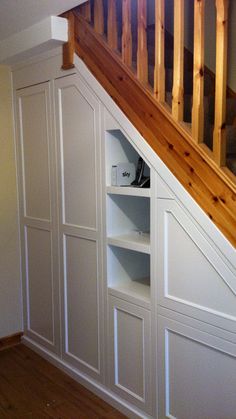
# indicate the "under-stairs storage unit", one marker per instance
pixel 130 290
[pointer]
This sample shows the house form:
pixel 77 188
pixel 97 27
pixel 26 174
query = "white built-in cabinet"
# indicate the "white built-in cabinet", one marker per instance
pixel 123 284
pixel 38 214
pixel 78 137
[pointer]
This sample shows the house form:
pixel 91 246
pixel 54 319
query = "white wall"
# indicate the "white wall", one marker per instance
pixel 10 285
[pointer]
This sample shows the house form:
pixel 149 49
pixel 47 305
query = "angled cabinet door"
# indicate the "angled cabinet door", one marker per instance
pixel 78 141
pixel 197 373
pixel 130 353
pixel 193 276
pixel 36 170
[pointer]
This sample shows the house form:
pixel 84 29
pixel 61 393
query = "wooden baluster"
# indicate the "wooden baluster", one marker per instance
pixel 178 76
pixel 112 30
pixel 85 10
pixel 219 135
pixel 142 53
pixel 198 72
pixel 98 17
pixel 159 71
pixel 126 33
pixel 69 47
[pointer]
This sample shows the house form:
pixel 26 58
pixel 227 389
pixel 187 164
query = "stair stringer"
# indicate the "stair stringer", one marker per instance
pixel 171 190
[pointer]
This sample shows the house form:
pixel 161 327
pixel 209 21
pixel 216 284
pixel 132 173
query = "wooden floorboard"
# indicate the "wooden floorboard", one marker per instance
pixel 30 387
pixel 9 341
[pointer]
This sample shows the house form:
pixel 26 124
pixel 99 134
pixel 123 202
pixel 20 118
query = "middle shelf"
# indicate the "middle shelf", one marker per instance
pixel 128 222
pixel 134 241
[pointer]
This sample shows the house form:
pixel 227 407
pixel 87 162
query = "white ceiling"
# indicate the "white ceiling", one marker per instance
pixel 17 15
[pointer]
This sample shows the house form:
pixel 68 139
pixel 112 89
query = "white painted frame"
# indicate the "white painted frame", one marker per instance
pixel 78 231
pixel 49 225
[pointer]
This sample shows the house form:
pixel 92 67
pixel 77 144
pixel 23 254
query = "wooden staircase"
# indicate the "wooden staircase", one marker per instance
pixel 169 99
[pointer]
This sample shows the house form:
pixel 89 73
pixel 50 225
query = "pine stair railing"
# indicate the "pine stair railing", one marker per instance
pixel 201 170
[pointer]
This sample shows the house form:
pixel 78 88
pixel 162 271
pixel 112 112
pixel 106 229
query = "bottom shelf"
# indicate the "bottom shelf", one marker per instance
pixel 137 291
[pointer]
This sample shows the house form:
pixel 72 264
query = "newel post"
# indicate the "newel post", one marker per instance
pixel 69 47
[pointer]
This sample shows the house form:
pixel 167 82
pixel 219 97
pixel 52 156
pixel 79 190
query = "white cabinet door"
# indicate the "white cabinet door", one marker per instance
pixel 78 138
pixel 130 353
pixel 193 277
pixel 36 151
pixel 197 373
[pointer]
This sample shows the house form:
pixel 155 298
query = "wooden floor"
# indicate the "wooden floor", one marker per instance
pixel 30 387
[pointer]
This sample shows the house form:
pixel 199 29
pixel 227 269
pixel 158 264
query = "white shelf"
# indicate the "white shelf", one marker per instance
pixel 131 241
pixel 137 292
pixel 129 190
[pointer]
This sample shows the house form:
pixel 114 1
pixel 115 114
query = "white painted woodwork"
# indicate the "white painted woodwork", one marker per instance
pixel 194 280
pixel 78 140
pixel 78 153
pixel 43 36
pixel 39 69
pixel 133 241
pixel 39 282
pixel 129 352
pixel 16 16
pixel 163 192
pixel 197 373
pixel 38 215
pixel 35 151
pixel 81 320
pixel 130 191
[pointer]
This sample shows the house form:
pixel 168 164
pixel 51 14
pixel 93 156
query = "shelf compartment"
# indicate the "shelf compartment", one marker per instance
pixel 120 150
pixel 128 273
pixel 128 190
pixel 132 241
pixel 127 214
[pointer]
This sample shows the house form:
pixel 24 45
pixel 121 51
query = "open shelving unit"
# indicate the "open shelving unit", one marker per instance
pixel 127 228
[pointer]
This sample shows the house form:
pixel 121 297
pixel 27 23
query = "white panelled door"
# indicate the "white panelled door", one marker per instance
pixel 36 164
pixel 78 138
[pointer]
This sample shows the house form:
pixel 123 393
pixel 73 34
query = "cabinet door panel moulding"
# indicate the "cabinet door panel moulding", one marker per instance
pixel 38 214
pixel 197 373
pixel 82 332
pixel 78 140
pixel 207 292
pixel 130 352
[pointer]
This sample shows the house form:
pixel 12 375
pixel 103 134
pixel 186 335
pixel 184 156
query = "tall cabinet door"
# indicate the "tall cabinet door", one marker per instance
pixel 78 136
pixel 36 151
